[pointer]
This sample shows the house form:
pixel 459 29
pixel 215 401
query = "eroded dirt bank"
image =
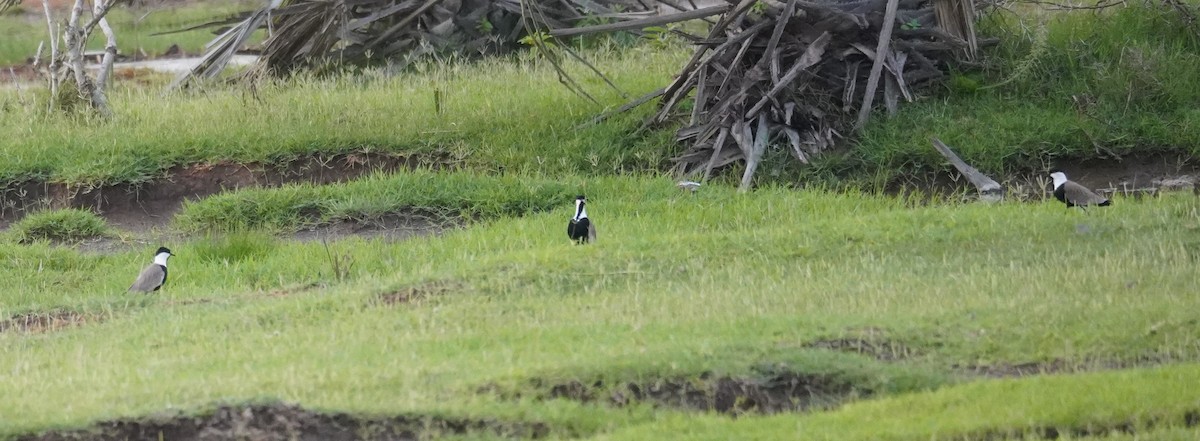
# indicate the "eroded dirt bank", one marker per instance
pixel 284 422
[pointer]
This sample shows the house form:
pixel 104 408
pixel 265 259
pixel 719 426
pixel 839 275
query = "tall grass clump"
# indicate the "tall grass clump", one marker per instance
pixel 67 225
pixel 1063 85
pixel 445 196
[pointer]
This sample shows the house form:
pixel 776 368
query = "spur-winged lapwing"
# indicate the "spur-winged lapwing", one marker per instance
pixel 1075 195
pixel 581 229
pixel 155 275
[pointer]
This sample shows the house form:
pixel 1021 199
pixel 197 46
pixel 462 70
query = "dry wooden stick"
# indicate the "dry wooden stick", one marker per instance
pixel 778 32
pixel 625 108
pixel 989 189
pixel 885 36
pixel 641 23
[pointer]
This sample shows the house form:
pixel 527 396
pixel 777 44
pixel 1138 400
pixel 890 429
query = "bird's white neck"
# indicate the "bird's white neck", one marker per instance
pixel 580 210
pixel 161 258
pixel 1059 179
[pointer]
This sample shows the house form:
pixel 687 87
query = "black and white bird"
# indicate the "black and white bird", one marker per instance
pixel 154 275
pixel 1073 194
pixel 581 229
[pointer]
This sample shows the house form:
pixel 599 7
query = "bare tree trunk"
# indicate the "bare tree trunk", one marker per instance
pixel 55 57
pixel 76 40
pixel 76 37
pixel 99 95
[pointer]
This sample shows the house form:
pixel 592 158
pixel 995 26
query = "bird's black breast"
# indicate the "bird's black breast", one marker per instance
pixel 578 230
pixel 1060 193
pixel 164 280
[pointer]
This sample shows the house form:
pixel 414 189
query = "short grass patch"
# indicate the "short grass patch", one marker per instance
pixel 65 225
pixel 445 197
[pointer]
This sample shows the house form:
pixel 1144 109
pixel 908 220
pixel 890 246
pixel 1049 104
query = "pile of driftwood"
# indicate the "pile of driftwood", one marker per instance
pixel 304 33
pixel 801 74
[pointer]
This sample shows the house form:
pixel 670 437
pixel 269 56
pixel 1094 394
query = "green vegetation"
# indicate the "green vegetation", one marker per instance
pixel 1081 85
pixel 59 225
pixel 1072 89
pixel 445 196
pixel 134 28
pixel 678 285
pixel 497 115
pixel 483 321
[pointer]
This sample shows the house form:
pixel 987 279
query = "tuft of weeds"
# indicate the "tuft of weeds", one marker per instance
pixel 66 225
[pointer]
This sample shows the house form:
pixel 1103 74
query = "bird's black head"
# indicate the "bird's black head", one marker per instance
pixel 163 250
pixel 580 198
pixel 1055 170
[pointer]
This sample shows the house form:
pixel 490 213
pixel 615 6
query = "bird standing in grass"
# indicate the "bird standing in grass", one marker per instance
pixel 154 275
pixel 581 229
pixel 1075 195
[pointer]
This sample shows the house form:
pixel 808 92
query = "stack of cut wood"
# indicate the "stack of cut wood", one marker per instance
pixel 801 74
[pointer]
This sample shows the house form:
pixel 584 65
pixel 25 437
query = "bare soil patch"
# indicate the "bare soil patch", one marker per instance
pixel 416 294
pixel 41 322
pixel 280 422
pixel 1059 366
pixel 879 349
pixel 779 392
pixel 140 207
pixel 1189 419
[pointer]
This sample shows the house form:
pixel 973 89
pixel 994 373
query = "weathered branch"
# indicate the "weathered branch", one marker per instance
pixel 55 57
pixel 641 23
pixel 989 189
pixel 885 37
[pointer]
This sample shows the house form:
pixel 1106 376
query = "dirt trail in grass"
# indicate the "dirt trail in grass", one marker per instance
pixel 287 422
pixel 146 209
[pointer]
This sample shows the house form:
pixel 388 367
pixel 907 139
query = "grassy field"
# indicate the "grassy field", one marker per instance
pixel 484 321
pixel 134 28
pixel 677 285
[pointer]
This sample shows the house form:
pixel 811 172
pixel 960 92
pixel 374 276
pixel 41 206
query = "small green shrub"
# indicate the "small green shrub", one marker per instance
pixel 67 225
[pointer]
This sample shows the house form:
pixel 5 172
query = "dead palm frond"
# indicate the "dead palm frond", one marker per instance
pixel 222 49
pixel 304 33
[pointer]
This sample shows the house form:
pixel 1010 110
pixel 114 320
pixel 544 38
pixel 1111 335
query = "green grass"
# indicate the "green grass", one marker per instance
pixel 1127 66
pixel 444 196
pixel 59 225
pixel 677 285
pixel 133 27
pixel 498 115
pixel 1090 84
